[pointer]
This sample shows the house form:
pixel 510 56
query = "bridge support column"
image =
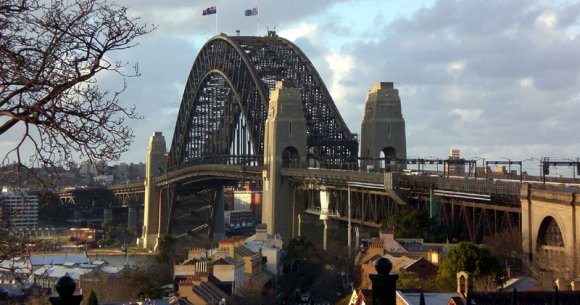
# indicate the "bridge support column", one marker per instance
pixel 383 127
pixel 77 216
pixel 219 223
pixel 132 214
pixel 107 215
pixel 356 238
pixel 325 236
pixel 324 204
pixel 284 146
pixel 156 164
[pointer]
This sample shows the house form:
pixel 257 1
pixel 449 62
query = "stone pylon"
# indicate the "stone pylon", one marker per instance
pixel 383 127
pixel 284 146
pixel 156 165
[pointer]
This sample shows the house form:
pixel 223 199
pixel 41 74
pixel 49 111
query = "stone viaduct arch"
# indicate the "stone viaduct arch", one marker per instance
pixel 550 228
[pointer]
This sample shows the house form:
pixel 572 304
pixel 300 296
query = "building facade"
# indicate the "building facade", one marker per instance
pixel 19 208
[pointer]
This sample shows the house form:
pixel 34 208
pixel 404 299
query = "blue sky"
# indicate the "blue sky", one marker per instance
pixel 493 78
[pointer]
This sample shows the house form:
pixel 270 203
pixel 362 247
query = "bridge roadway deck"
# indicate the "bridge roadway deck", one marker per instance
pixel 458 186
pixel 209 172
pixel 506 191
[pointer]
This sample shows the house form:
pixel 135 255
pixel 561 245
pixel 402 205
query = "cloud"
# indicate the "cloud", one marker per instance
pixel 495 78
pixel 482 74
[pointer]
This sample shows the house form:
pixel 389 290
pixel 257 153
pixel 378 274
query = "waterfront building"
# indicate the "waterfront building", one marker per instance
pixel 19 208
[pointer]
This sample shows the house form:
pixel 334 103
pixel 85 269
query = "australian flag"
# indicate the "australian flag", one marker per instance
pixel 209 11
pixel 251 11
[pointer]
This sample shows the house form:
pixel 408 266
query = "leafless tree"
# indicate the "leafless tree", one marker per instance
pixel 485 283
pixel 52 51
pixel 14 245
pixel 559 264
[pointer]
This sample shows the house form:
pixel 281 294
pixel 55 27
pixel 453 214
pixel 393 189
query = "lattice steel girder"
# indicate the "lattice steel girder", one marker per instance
pixel 233 77
pixel 476 221
pixel 368 207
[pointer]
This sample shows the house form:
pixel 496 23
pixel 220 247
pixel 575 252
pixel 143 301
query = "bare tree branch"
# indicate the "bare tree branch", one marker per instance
pixel 51 52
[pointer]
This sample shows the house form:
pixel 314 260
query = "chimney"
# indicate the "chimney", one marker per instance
pixel 464 283
pixel 261 232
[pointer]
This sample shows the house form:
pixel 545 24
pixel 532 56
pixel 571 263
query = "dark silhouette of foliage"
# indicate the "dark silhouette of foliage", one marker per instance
pixel 166 250
pixel 469 257
pixel 415 223
pixel 92 298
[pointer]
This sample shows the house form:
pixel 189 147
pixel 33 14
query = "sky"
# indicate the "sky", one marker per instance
pixel 496 79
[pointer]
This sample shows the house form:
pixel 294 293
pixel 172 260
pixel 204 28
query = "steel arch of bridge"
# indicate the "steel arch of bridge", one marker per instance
pixel 224 105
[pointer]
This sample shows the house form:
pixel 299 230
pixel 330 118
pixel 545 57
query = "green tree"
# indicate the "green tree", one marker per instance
pixel 408 280
pixel 301 249
pixel 468 257
pixel 412 280
pixel 167 250
pixel 92 298
pixel 415 223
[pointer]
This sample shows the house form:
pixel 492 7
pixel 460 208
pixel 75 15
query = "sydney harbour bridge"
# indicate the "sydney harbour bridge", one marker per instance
pixel 254 109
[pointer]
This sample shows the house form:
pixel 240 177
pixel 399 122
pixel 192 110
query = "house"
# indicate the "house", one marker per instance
pixel 424 268
pixel 48 275
pixel 223 271
pixel 270 245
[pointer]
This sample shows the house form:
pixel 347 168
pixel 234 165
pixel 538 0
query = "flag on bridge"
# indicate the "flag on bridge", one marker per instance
pixel 251 11
pixel 209 11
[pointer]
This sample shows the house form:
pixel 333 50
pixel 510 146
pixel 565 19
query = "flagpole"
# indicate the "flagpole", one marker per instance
pixel 258 34
pixel 216 13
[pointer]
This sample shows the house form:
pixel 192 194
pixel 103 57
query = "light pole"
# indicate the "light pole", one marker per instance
pixel 528 176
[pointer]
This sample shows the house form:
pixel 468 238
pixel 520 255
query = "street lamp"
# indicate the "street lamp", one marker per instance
pixel 539 165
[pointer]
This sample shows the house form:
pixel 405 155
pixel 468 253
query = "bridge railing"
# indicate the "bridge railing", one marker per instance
pixel 506 188
pixel 223 159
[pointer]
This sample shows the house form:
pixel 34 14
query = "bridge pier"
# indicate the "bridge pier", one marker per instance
pixel 550 229
pixel 132 216
pixel 324 204
pixel 107 215
pixel 77 216
pixel 153 216
pixel 383 127
pixel 284 146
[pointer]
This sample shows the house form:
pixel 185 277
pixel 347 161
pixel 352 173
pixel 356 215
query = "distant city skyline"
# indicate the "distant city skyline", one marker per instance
pixel 491 78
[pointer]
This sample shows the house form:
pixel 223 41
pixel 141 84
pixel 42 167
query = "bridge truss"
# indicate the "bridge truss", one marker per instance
pixel 225 102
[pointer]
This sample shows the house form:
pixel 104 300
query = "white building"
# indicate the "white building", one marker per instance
pixel 19 208
pixel 269 245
